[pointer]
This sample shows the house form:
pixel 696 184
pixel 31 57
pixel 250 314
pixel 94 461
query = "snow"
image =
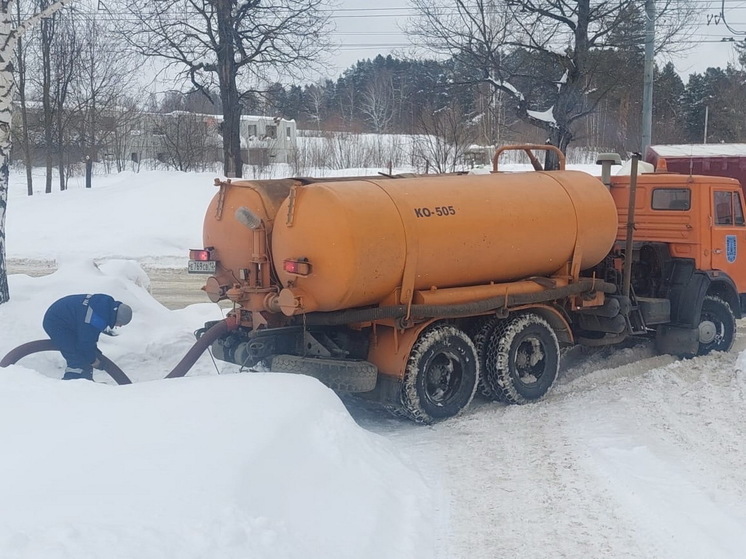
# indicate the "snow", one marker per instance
pixel 544 116
pixel 700 150
pixel 507 86
pixel 632 454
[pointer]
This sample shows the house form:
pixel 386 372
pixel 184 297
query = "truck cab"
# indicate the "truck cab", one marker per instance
pixel 689 235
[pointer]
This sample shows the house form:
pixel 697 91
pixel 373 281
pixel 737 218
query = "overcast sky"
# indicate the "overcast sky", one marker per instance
pixel 366 29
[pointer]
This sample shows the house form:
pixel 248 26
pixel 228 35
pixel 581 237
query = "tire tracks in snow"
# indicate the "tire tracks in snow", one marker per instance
pixel 632 455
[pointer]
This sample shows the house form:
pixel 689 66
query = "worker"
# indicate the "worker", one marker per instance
pixel 74 324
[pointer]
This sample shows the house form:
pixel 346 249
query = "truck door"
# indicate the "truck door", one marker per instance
pixel 729 235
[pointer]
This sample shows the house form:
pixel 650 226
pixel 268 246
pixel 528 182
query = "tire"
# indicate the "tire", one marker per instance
pixel 339 375
pixel 717 325
pixel 441 375
pixel 522 359
pixel 481 339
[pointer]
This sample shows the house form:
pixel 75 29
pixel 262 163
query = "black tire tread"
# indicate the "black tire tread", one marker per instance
pixel 412 406
pixel 481 342
pixel 721 308
pixel 496 374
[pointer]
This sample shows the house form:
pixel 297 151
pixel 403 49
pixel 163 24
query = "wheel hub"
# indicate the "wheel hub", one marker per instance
pixel 441 379
pixel 529 354
pixel 707 332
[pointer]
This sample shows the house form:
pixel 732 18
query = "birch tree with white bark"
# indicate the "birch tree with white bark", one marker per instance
pixel 9 36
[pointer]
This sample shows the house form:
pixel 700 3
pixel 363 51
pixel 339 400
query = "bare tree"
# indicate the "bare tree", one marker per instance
pixel 444 139
pixel 9 35
pixel 127 122
pixel 47 31
pixel 541 53
pixel 184 138
pixel 316 108
pixel 52 58
pixel 65 58
pixel 230 43
pixel 104 75
pixel 377 103
pixel 21 81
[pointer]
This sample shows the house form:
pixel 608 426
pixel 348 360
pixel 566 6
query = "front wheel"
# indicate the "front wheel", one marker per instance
pixel 441 374
pixel 717 325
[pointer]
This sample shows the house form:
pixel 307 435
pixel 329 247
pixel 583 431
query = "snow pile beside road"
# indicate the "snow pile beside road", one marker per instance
pixel 231 466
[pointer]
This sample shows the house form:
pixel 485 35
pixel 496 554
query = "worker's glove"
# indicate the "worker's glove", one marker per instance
pixel 96 364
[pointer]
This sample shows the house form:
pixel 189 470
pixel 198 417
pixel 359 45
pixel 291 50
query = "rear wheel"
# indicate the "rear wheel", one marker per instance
pixel 717 325
pixel 441 374
pixel 482 339
pixel 522 359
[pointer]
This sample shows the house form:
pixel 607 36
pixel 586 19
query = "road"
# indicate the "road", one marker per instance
pixel 172 287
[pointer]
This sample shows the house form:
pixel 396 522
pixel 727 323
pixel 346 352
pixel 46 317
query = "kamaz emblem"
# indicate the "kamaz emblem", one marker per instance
pixel 731 249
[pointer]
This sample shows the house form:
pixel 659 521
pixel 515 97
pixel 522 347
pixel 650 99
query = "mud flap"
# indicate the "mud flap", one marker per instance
pixel 677 340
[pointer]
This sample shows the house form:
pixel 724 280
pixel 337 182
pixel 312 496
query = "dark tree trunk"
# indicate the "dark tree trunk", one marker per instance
pixel 88 172
pixel 231 128
pixel 60 149
pixel 24 113
pixel 47 34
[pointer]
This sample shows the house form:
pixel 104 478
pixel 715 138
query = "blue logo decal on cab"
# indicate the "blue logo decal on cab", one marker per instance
pixel 731 248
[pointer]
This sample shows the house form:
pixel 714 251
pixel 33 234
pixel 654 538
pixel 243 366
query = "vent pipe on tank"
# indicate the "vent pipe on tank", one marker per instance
pixel 606 160
pixel 247 218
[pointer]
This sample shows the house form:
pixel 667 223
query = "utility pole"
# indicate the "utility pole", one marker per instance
pixel 647 88
pixel 707 117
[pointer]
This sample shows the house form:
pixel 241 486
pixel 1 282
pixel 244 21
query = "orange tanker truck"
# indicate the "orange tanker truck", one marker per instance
pixel 420 290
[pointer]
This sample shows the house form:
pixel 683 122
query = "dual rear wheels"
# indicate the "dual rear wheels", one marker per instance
pixel 514 360
pixel 519 357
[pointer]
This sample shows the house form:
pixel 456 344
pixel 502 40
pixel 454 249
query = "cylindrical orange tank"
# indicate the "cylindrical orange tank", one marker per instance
pixel 366 238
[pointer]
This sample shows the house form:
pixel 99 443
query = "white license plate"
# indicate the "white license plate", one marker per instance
pixel 201 267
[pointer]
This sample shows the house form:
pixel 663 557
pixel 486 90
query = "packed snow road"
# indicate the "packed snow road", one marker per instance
pixel 173 288
pixel 631 455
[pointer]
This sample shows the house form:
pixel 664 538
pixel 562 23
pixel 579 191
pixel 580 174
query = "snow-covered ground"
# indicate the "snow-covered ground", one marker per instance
pixel 631 455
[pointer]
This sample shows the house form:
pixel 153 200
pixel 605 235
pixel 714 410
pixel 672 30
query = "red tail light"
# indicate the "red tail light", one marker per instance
pixel 200 254
pixel 300 267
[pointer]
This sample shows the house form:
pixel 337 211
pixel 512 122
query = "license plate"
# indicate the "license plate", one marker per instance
pixel 201 267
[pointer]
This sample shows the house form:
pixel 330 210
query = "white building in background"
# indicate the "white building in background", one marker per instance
pixel 264 139
pixel 130 136
pixel 267 139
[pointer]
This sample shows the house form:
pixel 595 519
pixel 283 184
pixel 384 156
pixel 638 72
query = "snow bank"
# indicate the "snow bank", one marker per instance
pixel 231 465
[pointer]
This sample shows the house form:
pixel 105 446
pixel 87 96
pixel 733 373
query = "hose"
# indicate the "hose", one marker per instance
pixel 107 365
pixel 202 343
pixel 111 368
